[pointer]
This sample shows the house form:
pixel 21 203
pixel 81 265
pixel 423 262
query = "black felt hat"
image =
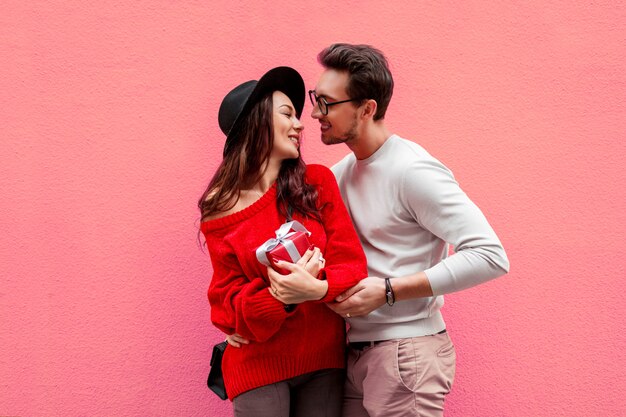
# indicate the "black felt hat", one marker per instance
pixel 238 102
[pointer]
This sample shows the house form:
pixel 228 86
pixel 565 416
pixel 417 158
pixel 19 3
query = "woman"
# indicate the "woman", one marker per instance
pixel 292 365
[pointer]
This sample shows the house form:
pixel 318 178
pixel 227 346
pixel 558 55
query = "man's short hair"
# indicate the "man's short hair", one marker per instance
pixel 368 72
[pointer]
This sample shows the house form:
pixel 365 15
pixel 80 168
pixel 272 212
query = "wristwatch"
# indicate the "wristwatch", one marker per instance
pixel 391 297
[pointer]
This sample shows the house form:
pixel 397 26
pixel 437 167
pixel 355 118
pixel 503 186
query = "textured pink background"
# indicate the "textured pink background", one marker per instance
pixel 109 135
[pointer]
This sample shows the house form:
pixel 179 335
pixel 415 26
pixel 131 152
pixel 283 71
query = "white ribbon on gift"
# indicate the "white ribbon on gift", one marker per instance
pixel 282 234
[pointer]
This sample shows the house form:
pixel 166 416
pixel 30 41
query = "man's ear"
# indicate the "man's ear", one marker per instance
pixel 369 109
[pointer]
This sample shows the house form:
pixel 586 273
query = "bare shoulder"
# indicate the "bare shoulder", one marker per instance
pixel 238 202
pixel 216 214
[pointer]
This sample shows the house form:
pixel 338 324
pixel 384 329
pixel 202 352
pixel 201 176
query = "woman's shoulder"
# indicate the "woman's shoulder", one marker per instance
pixel 208 216
pixel 318 173
pixel 236 203
pixel 322 178
pixel 240 210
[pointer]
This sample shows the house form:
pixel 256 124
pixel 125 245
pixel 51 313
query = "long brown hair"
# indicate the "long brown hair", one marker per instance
pixel 243 165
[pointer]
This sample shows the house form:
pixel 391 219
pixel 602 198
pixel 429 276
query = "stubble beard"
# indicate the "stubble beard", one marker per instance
pixel 350 136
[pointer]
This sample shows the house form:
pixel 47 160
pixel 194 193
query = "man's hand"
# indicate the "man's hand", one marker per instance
pixel 362 299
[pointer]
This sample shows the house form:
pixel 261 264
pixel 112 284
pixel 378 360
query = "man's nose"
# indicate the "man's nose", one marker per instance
pixel 316 113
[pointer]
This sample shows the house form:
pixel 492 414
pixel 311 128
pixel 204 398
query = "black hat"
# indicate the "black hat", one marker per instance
pixel 240 100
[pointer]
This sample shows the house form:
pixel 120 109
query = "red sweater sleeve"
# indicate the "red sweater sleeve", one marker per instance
pixel 346 264
pixel 240 304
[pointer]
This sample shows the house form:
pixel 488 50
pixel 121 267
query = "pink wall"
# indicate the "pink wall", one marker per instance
pixel 109 134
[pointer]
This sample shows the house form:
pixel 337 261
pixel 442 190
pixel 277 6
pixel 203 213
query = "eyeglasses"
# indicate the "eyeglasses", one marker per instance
pixel 323 104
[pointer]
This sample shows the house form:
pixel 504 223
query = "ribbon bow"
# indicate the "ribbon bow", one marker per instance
pixel 282 234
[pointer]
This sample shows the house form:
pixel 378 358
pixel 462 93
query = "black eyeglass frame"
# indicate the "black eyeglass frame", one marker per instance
pixel 315 101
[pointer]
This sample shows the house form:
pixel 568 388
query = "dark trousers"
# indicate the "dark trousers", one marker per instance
pixel 316 394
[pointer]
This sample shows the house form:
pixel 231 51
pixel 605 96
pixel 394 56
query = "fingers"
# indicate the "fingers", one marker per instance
pixel 314 265
pixel 362 299
pixel 339 308
pixel 315 256
pixel 288 266
pixel 312 260
pixel 240 339
pixel 276 278
pixel 275 283
pixel 274 293
pixel 280 295
pixel 298 286
pixel 317 259
pixel 236 340
pixel 286 296
pixel 344 310
pixel 233 343
pixel 348 293
pixel 273 275
pixel 307 256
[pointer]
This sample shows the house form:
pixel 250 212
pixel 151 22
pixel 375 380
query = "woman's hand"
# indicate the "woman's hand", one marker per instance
pixel 236 340
pixel 299 285
pixel 312 261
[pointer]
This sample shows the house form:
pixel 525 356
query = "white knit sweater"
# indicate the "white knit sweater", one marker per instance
pixel 407 209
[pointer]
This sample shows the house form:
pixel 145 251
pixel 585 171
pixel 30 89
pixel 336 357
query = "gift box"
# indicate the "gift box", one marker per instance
pixel 290 243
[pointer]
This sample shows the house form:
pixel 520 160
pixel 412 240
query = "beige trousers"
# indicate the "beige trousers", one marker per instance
pixel 400 377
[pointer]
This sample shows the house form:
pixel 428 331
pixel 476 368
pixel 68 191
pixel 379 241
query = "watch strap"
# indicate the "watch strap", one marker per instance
pixel 389 294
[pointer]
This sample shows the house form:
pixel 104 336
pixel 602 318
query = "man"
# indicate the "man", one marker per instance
pixel 407 209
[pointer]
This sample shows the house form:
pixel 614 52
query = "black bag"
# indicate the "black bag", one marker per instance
pixel 216 379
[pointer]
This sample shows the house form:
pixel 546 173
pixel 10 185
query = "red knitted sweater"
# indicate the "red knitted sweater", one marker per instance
pixel 282 345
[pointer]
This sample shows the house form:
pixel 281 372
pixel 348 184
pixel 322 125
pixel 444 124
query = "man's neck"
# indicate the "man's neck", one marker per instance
pixel 369 141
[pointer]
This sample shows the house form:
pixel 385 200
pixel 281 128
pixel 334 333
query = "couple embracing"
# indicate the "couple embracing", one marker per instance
pixel 380 225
